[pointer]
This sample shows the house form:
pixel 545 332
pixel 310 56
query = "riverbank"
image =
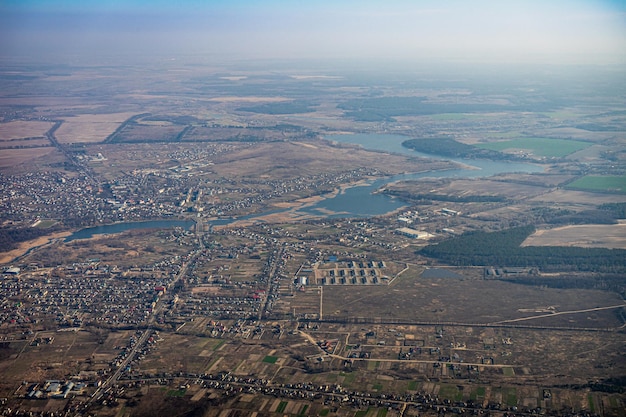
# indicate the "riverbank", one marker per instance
pixel 25 247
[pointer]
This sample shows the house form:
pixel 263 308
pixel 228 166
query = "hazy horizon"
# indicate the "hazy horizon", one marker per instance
pixel 578 32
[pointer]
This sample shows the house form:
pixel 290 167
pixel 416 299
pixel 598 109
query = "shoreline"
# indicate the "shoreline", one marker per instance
pixel 29 245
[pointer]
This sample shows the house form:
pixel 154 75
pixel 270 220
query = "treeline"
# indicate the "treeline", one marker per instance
pixel 447 146
pixel 605 282
pixel 381 109
pixel 10 238
pixel 503 248
pixel 600 127
pixel 604 214
pixel 407 195
pixel 617 210
pixel 287 107
pixel 386 108
pixel 583 217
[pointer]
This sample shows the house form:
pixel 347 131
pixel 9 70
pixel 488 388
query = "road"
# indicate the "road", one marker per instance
pixel 270 277
pixel 587 310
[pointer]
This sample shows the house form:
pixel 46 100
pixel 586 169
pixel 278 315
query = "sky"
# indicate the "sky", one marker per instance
pixel 570 31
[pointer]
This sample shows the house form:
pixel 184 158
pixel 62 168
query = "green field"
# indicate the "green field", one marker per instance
pixel 545 147
pixel 450 392
pixel 270 359
pixel 44 224
pixel 348 378
pixel 611 183
pixel 281 406
pixel 479 392
pixel 509 396
pixel 176 393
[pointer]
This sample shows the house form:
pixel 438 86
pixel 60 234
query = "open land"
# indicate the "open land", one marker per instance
pixel 274 301
pixel 596 235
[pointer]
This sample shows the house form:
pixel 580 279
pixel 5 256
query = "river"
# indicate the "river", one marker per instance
pixel 357 201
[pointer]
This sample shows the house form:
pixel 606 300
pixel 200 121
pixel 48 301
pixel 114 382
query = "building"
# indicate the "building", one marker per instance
pixel 412 233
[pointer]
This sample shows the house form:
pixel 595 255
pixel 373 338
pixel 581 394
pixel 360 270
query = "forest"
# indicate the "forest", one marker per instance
pixel 385 108
pixel 447 146
pixel 10 238
pixel 502 248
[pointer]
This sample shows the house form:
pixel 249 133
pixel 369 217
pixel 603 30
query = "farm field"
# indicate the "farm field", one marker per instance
pixel 12 157
pixel 588 235
pixel 602 183
pixel 21 129
pixel 89 128
pixel 542 147
pixel 413 297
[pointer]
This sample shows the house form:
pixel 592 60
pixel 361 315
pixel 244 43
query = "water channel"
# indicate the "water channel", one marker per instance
pixel 357 201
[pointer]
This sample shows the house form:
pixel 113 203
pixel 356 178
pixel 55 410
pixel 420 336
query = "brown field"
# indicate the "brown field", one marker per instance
pixel 411 297
pixel 133 247
pixel 20 129
pixel 25 143
pixel 260 160
pixel 13 157
pixel 89 128
pixel 470 187
pixel 6 257
pixel 588 235
pixel 67 353
pixel 577 198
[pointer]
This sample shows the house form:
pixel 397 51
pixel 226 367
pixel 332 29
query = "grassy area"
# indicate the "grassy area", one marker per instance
pixel 219 345
pixel 45 224
pixel 270 359
pixel 324 412
pixel 509 396
pixel 281 406
pixel 348 378
pixel 176 393
pixel 412 386
pixel 508 371
pixel 479 392
pixel 545 147
pixel 372 365
pixel 592 406
pixel 377 387
pixel 450 392
pixel 361 413
pixel 382 412
pixel 303 411
pixel 611 183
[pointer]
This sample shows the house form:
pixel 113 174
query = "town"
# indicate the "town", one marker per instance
pixel 248 252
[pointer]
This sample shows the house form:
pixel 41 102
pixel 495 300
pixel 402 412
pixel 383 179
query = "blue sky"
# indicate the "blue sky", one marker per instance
pixel 479 30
